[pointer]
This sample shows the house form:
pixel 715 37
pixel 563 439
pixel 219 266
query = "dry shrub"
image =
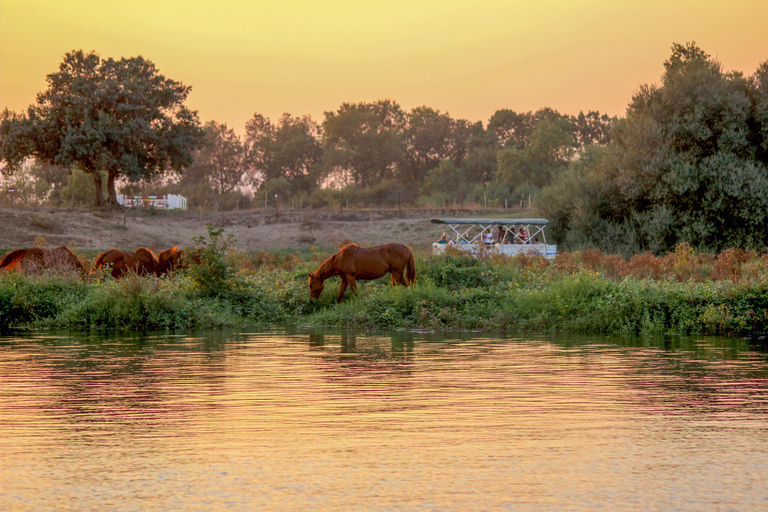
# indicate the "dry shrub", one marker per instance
pixel 525 261
pixel 755 270
pixel 683 264
pixel 566 262
pixel 612 265
pixel 730 262
pixel 644 266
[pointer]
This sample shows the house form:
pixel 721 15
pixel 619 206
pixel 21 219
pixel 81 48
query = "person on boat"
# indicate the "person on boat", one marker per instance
pixel 443 239
pixel 523 236
pixel 488 237
pixel 460 239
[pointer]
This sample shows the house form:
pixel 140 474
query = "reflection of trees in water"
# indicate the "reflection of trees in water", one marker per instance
pixel 120 380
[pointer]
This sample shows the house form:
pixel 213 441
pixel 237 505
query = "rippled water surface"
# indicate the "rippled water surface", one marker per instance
pixel 332 421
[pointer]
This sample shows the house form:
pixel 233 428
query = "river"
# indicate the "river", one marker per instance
pixel 324 420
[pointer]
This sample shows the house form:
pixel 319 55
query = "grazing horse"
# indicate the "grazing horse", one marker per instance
pixel 143 262
pixel 33 259
pixel 175 258
pixel 353 263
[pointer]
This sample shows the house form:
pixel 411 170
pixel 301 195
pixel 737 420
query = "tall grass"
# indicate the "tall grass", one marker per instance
pixel 589 292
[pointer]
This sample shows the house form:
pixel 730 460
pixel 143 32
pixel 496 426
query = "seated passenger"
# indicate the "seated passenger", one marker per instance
pixel 443 239
pixel 488 237
pixel 523 236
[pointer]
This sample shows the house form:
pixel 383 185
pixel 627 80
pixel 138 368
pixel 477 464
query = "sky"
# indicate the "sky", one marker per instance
pixel 467 58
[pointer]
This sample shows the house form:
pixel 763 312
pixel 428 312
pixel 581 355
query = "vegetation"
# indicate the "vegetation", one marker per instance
pixel 586 292
pixel 688 164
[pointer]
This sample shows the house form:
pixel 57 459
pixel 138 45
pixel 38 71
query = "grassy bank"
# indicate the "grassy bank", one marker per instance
pixel 591 292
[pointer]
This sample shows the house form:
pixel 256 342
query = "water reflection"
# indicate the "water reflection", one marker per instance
pixel 415 421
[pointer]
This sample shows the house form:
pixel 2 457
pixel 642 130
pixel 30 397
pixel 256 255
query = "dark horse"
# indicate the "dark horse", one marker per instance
pixel 34 259
pixel 143 262
pixel 353 263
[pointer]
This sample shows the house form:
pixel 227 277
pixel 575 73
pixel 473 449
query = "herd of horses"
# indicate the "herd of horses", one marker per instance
pixel 143 261
pixel 352 263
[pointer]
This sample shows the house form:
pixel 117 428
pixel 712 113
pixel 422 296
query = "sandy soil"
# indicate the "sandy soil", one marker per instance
pixel 253 229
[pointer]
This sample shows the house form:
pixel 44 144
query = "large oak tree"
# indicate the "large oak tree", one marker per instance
pixel 118 116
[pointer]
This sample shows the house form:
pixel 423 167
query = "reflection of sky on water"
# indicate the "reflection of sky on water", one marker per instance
pixel 413 420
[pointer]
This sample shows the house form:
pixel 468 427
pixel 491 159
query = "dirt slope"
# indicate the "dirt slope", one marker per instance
pixel 253 229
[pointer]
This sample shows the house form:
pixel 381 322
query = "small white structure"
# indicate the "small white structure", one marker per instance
pixel 166 202
pixel 512 236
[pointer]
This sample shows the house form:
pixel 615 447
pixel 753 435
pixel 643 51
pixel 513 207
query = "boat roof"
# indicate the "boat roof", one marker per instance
pixel 501 222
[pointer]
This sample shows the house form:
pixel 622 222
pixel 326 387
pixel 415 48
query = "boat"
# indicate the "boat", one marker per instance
pixel 511 236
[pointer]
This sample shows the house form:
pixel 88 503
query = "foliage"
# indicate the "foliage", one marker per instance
pixel 687 164
pixel 362 142
pixel 122 117
pixel 289 151
pixel 219 162
pixel 683 291
pixel 213 276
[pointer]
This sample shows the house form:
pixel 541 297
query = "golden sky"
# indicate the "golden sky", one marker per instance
pixel 468 58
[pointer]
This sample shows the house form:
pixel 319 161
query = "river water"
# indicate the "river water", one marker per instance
pixel 328 421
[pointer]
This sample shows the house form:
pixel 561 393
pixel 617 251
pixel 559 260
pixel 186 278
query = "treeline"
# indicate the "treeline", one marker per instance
pixel 369 154
pixel 686 164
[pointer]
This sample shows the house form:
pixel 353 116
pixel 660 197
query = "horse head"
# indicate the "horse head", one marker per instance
pixel 316 286
pixel 169 259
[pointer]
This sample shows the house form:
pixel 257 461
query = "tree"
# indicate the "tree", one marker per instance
pixel 481 162
pixel 118 116
pixel 290 150
pixel 684 165
pixel 362 142
pixel 427 141
pixel 545 155
pixel 220 161
pixel 446 182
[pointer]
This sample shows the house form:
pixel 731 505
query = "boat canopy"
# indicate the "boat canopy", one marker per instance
pixel 471 230
pixel 513 236
pixel 494 222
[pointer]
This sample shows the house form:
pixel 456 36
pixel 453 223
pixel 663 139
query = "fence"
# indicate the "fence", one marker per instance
pixel 166 202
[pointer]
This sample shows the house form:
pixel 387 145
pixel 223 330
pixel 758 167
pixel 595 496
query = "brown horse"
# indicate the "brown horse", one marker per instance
pixel 175 259
pixel 33 259
pixel 143 262
pixel 353 263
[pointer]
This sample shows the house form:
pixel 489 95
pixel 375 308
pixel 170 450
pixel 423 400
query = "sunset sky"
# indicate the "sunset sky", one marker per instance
pixel 468 58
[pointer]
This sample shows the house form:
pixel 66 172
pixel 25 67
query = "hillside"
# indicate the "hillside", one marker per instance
pixel 253 229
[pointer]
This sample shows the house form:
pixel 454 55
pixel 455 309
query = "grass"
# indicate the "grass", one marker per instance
pixel 591 292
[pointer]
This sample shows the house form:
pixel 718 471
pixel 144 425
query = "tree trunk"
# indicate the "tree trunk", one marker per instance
pixel 111 187
pixel 97 183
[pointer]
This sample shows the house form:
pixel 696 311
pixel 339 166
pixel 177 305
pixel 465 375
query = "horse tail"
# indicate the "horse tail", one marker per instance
pixel 13 259
pixel 411 268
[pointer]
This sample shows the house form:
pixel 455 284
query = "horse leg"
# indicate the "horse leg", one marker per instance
pixel 342 288
pixel 397 278
pixel 352 284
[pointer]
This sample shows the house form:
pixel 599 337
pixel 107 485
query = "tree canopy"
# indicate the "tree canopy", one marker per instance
pixel 118 116
pixel 686 164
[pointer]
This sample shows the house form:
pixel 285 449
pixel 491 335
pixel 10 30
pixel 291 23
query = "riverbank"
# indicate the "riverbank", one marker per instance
pixel 584 293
